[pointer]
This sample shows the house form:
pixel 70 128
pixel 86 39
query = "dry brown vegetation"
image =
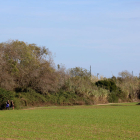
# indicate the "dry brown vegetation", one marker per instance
pixel 129 84
pixel 25 65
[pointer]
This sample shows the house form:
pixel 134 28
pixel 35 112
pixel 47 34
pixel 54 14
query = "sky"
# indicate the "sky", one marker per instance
pixel 103 34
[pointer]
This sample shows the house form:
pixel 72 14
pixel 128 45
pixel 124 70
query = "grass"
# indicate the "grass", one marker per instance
pixel 104 122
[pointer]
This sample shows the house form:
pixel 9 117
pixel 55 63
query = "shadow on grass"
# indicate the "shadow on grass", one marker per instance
pixel 138 104
pixel 118 105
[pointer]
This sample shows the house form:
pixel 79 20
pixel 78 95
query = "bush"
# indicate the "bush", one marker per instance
pixel 4 96
pixel 29 98
pixel 115 92
pixel 17 103
pixel 107 84
pixel 113 98
pixel 67 98
pixel 62 98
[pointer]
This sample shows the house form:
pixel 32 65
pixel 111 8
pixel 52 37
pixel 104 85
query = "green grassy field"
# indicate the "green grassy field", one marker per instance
pixel 104 122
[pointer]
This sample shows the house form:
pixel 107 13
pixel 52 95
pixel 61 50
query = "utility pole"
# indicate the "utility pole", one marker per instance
pixel 58 66
pixel 97 75
pixel 90 70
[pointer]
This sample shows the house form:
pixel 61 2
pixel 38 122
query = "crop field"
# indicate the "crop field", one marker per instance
pixel 98 122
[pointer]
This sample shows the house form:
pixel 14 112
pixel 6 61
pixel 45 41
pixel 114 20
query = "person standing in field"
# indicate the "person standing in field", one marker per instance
pixel 12 104
pixel 7 105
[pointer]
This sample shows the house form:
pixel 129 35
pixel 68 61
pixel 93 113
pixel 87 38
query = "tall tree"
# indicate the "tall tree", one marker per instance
pixel 25 65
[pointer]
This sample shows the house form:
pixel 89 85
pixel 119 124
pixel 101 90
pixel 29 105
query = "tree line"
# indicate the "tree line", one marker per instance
pixel 29 76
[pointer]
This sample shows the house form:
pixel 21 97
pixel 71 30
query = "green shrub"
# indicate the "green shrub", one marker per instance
pixel 58 98
pixel 52 98
pixel 115 92
pixel 29 98
pixel 67 98
pixel 107 84
pixel 4 96
pixel 113 98
pixel 17 103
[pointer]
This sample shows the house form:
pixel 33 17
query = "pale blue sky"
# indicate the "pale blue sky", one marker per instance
pixel 103 33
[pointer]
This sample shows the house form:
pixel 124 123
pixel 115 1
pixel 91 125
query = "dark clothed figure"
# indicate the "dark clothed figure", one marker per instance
pixel 12 105
pixel 7 105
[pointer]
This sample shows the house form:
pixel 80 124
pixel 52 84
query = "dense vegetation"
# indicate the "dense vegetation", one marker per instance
pixel 29 77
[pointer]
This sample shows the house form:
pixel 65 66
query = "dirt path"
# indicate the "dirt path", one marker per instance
pixel 109 103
